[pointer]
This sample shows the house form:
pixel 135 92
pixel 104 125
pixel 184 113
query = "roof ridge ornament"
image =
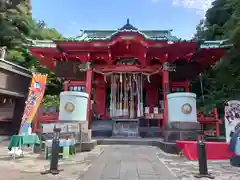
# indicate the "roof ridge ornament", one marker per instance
pixel 128 21
pixel 128 26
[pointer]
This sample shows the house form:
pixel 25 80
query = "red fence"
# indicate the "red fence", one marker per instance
pixel 45 115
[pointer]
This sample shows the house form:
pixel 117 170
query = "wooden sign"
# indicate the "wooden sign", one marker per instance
pixel 147 110
pixel 131 61
pixel 155 110
pixel 82 67
pixel 128 37
pixel 71 70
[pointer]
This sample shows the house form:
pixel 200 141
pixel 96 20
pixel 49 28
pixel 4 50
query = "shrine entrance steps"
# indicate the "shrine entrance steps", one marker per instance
pixel 102 131
pixel 129 128
pixel 167 147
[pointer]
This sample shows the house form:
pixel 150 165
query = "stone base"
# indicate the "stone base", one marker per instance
pixel 89 134
pixel 86 133
pixel 186 131
pixel 86 146
pixel 150 132
pixel 167 147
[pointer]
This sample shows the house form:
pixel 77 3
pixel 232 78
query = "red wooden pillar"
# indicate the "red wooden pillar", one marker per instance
pixel 100 100
pixel 165 81
pixel 89 91
pixel 187 87
pixel 65 85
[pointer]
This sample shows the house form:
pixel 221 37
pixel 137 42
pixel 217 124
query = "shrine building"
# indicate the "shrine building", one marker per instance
pixel 128 72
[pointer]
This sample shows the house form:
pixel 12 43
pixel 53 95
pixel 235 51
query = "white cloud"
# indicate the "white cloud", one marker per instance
pixel 201 6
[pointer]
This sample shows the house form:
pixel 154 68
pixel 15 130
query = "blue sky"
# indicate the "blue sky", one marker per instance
pixel 69 16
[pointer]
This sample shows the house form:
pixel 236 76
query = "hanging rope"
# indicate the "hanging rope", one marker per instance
pixel 126 88
pixel 121 95
pixel 110 73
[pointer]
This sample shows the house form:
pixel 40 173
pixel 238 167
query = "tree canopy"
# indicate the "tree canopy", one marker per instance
pixel 222 21
pixel 16 28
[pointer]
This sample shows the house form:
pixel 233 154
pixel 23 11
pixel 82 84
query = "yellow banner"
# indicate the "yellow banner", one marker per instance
pixel 35 96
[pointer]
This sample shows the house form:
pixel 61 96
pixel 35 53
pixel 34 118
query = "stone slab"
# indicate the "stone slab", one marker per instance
pixel 168 147
pixel 128 162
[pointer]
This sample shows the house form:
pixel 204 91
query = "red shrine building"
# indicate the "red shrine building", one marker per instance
pixel 128 72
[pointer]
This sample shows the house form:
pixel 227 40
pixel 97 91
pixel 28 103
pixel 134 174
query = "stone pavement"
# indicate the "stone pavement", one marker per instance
pixel 127 162
pixel 114 162
pixel 118 162
pixel 184 169
pixel 30 167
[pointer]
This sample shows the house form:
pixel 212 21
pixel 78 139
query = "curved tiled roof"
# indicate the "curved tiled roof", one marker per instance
pixel 152 35
pixel 202 44
pixel 158 35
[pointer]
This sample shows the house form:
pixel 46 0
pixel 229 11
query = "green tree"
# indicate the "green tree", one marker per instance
pixel 16 28
pixel 222 21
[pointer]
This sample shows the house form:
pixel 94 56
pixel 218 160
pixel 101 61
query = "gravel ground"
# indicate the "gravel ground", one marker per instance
pixel 184 169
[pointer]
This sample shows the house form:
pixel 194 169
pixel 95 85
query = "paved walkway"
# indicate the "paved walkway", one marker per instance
pixel 128 162
pixel 117 162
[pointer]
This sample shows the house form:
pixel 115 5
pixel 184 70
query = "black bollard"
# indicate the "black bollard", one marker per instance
pixel 55 153
pixel 202 161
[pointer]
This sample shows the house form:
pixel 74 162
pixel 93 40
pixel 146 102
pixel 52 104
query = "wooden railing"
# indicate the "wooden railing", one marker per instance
pixel 210 122
pixel 44 116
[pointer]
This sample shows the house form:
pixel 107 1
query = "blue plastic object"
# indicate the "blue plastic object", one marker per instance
pixel 237 146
